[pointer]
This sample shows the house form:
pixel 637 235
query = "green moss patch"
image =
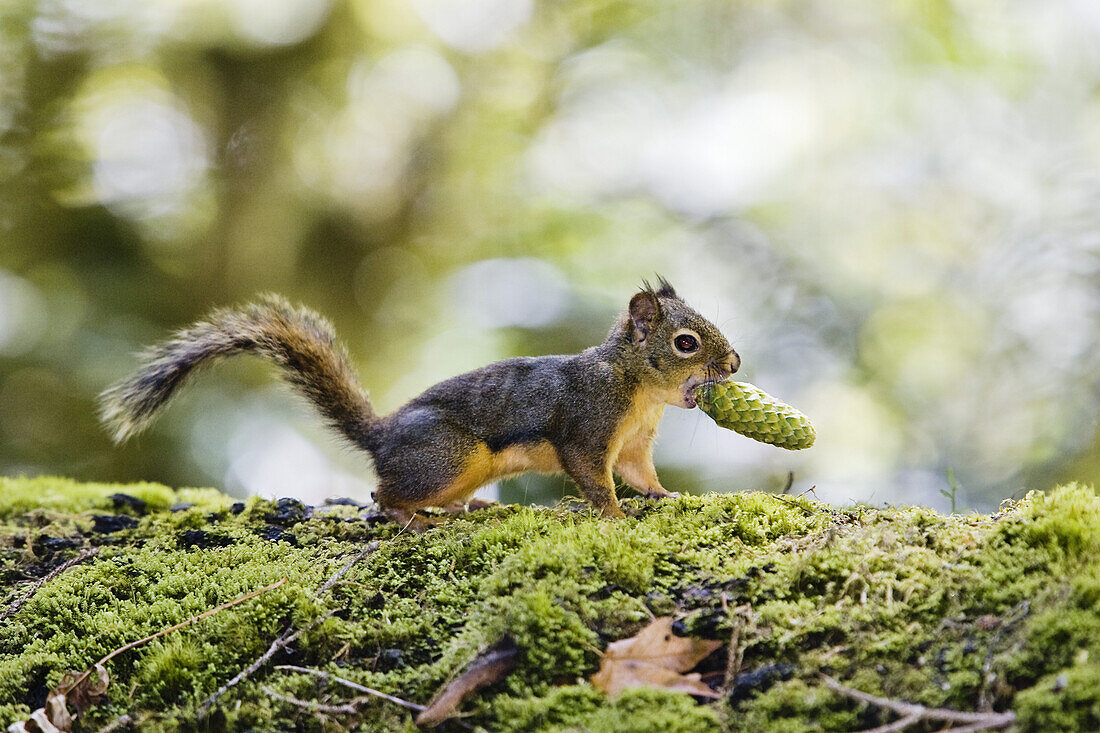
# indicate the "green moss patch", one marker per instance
pixel 969 612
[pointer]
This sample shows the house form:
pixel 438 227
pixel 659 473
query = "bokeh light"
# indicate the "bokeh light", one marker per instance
pixel 890 209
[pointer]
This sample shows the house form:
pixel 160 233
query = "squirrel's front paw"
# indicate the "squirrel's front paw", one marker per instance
pixel 659 493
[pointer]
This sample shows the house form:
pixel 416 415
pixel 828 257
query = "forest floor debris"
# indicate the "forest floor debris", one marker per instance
pixel 983 615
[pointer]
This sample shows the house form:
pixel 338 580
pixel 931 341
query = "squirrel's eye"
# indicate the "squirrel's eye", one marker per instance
pixel 686 343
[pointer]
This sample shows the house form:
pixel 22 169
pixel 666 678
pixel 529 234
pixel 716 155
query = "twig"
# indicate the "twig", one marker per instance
pixel 188 622
pixel 898 725
pixel 15 606
pixel 912 713
pixel 170 629
pixel 348 708
pixel 791 502
pixel 371 547
pixel 123 721
pixel 411 518
pixel 1020 612
pixel 353 685
pixel 981 726
pixel 736 652
pixel 288 636
pixel 491 665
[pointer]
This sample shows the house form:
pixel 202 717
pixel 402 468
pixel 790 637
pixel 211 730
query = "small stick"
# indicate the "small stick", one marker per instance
pixel 371 547
pixel 193 619
pixel 736 653
pixel 898 725
pixel 122 721
pixel 288 636
pixel 170 629
pixel 912 713
pixel 1022 609
pixel 14 607
pixel 348 708
pixel 979 726
pixel 353 685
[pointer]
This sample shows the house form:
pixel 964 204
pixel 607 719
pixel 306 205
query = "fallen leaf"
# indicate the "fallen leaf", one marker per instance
pixel 83 690
pixel 87 688
pixel 79 689
pixel 654 657
pixel 490 666
pixel 39 722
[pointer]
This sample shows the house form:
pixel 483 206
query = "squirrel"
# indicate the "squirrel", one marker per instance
pixel 587 414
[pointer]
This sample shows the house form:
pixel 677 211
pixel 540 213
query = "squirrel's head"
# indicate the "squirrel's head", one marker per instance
pixel 675 347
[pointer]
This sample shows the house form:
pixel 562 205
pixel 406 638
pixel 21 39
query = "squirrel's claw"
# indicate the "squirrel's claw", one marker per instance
pixel 660 493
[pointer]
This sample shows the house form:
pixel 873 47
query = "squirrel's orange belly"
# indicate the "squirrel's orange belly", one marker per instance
pixel 539 456
pixel 483 465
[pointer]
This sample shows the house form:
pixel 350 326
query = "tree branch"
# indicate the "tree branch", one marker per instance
pixel 288 636
pixel 911 713
pixel 14 607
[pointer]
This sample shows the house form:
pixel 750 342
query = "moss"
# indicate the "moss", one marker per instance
pixel 795 707
pixel 1067 521
pixel 1063 701
pixel 24 496
pixel 903 602
pixel 581 708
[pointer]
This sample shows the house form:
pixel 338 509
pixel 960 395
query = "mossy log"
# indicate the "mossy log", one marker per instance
pixel 998 611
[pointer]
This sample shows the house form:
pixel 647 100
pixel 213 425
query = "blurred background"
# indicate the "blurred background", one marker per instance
pixel 892 210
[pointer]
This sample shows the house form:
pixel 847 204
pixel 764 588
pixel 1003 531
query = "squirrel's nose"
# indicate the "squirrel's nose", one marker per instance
pixel 735 361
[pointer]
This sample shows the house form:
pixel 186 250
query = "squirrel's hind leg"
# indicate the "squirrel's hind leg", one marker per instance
pixel 426 461
pixel 593 477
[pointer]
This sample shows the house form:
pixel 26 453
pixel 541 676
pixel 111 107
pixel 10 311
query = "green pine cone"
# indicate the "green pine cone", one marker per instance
pixel 743 408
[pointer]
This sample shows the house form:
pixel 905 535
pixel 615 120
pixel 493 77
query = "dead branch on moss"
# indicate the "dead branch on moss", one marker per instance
pixel 82 690
pixel 1018 614
pixel 335 577
pixel 188 622
pixel 353 685
pixel 180 625
pixel 287 637
pixel 15 606
pixel 791 503
pixel 492 665
pixel 360 688
pixel 349 708
pixel 740 617
pixel 911 713
pixel 123 721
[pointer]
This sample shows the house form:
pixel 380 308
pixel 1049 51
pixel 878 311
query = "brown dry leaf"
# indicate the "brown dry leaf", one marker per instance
pixel 39 722
pixel 654 657
pixel 84 691
pixel 490 666
pixel 79 689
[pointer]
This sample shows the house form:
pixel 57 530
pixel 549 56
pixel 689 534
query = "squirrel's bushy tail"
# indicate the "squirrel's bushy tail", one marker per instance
pixel 297 339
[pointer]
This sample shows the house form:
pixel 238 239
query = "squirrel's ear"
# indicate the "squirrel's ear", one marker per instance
pixel 644 311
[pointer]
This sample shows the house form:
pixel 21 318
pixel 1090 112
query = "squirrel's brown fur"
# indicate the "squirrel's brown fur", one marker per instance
pixel 588 414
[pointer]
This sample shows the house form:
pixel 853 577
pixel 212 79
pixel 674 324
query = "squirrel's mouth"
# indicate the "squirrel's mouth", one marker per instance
pixel 690 386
